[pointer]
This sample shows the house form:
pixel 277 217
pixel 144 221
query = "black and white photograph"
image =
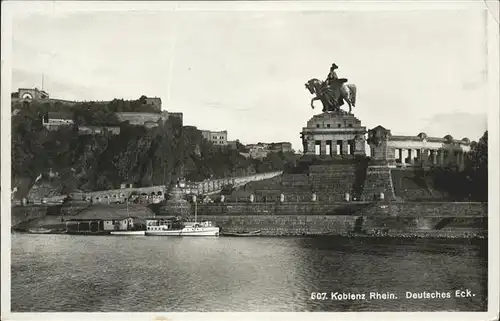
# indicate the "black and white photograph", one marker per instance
pixel 304 158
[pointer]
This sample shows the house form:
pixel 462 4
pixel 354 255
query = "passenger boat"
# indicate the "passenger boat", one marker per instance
pixel 174 227
pixel 252 233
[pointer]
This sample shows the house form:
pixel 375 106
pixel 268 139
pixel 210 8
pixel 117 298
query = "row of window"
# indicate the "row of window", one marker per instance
pixel 123 195
pixel 329 125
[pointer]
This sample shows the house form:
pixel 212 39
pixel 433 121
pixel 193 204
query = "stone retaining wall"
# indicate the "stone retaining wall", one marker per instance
pixel 20 214
pixel 401 209
pixel 280 225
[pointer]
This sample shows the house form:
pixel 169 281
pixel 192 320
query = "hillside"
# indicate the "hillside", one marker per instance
pixel 65 161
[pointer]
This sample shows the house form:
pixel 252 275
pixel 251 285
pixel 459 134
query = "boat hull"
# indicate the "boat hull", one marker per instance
pixel 255 233
pixel 40 231
pixel 128 233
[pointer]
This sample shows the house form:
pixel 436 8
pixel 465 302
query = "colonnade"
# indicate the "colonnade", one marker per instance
pixel 409 156
pixel 334 147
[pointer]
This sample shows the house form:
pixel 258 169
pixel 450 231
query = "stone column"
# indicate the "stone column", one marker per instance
pixel 441 157
pixel 345 147
pixel 418 155
pixel 322 147
pixel 403 158
pixel 434 156
pixel 410 156
pixel 424 156
pixel 359 145
pixel 352 142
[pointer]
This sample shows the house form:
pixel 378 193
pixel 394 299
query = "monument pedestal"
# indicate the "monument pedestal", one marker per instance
pixel 334 134
pixel 176 205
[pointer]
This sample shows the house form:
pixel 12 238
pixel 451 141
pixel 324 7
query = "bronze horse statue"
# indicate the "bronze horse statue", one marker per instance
pixel 333 96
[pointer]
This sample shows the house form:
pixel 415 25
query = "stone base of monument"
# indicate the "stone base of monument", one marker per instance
pixel 330 179
pixel 176 205
pixel 182 209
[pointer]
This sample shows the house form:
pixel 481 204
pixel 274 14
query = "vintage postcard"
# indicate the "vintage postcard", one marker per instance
pixel 250 160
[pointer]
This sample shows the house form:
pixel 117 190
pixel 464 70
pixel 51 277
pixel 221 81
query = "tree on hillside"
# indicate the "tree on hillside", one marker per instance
pixel 477 168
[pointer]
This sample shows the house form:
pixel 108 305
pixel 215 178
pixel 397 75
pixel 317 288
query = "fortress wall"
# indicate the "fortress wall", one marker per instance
pixel 138 118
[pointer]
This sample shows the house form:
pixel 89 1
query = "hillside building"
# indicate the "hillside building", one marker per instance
pixel 30 94
pixel 261 150
pixel 215 137
pixel 98 130
pixel 54 120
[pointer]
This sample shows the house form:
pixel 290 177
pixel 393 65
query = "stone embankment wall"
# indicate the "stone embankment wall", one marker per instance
pixel 426 219
pixel 400 209
pixel 21 214
pixel 402 219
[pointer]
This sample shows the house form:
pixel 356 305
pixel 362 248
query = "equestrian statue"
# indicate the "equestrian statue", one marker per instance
pixel 332 92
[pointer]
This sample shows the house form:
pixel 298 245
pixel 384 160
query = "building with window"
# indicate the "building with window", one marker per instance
pixel 54 120
pixel 280 147
pixel 216 137
pixel 30 94
pixel 98 130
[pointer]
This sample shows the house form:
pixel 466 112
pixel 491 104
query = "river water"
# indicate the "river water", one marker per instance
pixel 52 273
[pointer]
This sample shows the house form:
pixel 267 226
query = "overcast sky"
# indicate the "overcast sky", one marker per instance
pixel 245 71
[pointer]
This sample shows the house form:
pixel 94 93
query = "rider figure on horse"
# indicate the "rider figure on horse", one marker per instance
pixel 332 75
pixel 333 81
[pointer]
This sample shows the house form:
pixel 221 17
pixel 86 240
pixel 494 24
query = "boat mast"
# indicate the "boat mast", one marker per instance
pixel 195 208
pixel 128 214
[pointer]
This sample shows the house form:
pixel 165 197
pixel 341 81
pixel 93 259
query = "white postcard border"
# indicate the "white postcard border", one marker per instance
pixel 12 8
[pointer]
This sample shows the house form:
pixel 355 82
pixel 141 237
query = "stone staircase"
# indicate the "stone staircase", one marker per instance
pixel 408 186
pixel 330 182
pixel 296 187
